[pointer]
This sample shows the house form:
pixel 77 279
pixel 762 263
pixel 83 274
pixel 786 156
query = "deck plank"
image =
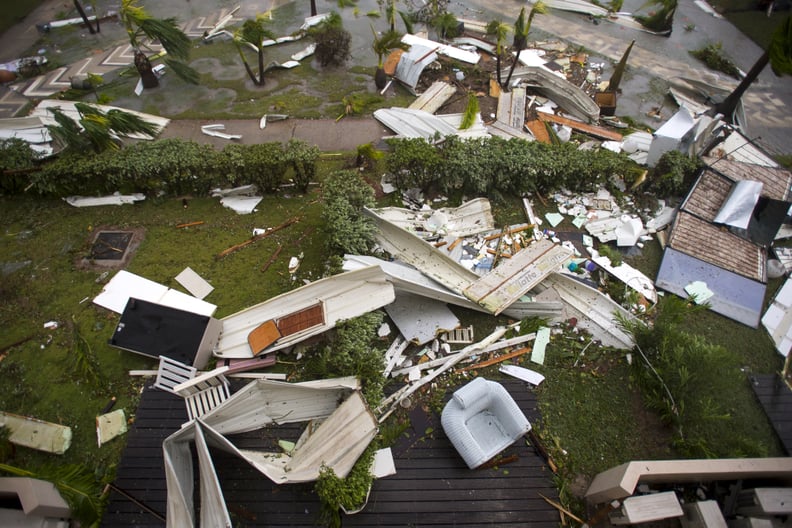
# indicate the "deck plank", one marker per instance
pixel 776 400
pixel 432 485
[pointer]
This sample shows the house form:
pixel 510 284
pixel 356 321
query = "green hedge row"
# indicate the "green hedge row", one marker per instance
pixel 170 166
pixel 489 166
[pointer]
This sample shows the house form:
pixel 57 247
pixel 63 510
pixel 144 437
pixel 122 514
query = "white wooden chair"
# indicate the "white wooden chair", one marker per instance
pixel 204 392
pixel 172 373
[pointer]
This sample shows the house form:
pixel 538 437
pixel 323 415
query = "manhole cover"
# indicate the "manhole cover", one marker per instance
pixel 111 245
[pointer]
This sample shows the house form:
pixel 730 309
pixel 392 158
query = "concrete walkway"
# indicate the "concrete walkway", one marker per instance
pixel 327 134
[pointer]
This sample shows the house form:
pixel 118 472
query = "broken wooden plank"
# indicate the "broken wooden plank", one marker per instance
pixel 256 238
pixel 511 108
pixel 272 258
pixel 434 97
pixel 563 510
pixel 394 354
pixel 592 130
pixel 499 359
pixel 540 448
pixel 539 130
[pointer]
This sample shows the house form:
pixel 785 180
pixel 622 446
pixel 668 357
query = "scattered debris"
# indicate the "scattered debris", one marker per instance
pixel 420 319
pixel 777 319
pixel 455 53
pixel 306 311
pixel 194 283
pixel 110 425
pixel 540 344
pixel 36 434
pixel 114 199
pixel 699 292
pixel 527 375
pixel 256 238
pixel 216 130
pixel 117 292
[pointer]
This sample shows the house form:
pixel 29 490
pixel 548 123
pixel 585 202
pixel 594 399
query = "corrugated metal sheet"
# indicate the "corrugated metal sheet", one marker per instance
pixel 412 63
pixel 559 90
pixel 593 310
pixel 342 296
pixel 406 122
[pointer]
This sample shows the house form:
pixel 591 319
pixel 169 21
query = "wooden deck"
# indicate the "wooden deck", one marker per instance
pixel 432 486
pixel 776 400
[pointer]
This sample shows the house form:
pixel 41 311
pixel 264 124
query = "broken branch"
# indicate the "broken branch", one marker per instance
pixel 256 238
pixel 561 509
pixel 189 224
pixel 540 448
pixel 266 266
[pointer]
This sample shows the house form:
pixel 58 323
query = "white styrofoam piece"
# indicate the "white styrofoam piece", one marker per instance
pixel 194 283
pixel 527 375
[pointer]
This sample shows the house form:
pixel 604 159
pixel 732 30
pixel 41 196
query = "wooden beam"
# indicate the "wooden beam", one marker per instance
pixel 189 224
pixel 499 359
pixel 592 130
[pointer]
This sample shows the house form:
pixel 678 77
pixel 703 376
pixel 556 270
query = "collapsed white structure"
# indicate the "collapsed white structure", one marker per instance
pixel 306 311
pixel 336 436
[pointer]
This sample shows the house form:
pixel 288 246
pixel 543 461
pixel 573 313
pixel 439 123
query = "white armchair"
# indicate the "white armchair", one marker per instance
pixel 481 420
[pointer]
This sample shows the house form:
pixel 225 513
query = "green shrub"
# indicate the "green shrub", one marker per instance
pixel 674 173
pixel 348 230
pixel 712 55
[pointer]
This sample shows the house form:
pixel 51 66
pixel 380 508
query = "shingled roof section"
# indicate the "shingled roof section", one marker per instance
pixel 717 246
pixel 707 195
pixel 776 181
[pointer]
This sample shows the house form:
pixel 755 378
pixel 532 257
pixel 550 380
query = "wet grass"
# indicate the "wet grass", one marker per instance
pixel 39 377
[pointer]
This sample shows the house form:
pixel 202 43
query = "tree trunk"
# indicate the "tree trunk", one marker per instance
pixel 261 66
pixel 498 69
pixel 729 105
pixel 380 78
pixel 506 86
pixel 143 66
pixel 313 7
pixel 80 10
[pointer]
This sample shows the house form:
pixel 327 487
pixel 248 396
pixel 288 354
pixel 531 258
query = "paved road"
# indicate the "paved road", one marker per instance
pixel 654 61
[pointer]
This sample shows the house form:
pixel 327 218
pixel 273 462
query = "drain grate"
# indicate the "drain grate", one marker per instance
pixel 111 245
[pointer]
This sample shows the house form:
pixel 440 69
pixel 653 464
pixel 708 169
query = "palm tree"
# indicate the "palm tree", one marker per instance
pixel 96 130
pixel 313 8
pixel 253 33
pixel 446 25
pixel 499 30
pixel 389 40
pixel 521 29
pixel 778 55
pixel 139 24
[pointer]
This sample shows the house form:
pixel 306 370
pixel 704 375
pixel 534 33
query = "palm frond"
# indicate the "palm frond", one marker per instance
pixel 471 112
pixel 408 23
pixel 182 70
pixel 76 484
pixel 167 32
